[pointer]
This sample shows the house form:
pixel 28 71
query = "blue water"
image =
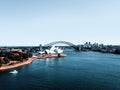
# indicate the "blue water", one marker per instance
pixel 77 71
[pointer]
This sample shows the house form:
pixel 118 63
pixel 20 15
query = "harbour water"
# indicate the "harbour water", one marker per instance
pixel 76 71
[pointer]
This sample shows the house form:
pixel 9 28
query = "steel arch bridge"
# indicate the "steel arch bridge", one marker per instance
pixel 75 47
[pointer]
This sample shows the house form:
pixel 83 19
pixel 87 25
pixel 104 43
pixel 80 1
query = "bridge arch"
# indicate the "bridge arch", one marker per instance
pixel 64 42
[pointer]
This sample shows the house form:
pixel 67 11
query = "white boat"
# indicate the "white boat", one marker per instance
pixel 14 71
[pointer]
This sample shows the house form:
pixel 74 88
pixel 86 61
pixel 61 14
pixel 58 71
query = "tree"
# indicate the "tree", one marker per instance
pixel 117 51
pixel 25 56
pixel 10 55
pixel 29 54
pixel 7 60
pixel 2 54
pixel 18 58
pixel 0 63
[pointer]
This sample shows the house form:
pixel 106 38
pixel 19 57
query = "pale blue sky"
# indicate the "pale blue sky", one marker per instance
pixel 31 22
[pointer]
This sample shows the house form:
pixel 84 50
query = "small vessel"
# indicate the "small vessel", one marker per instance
pixel 14 71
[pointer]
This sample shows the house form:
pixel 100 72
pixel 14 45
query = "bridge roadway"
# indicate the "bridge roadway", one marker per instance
pixel 75 47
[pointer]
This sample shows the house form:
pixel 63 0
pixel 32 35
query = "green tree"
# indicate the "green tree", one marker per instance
pixel 25 56
pixel 2 54
pixel 0 63
pixel 29 54
pixel 18 58
pixel 117 51
pixel 7 60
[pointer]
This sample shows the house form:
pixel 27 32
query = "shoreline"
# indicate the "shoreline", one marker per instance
pixel 40 56
pixel 17 64
pixel 29 61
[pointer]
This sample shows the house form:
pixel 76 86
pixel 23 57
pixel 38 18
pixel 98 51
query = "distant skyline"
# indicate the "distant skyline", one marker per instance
pixel 34 22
